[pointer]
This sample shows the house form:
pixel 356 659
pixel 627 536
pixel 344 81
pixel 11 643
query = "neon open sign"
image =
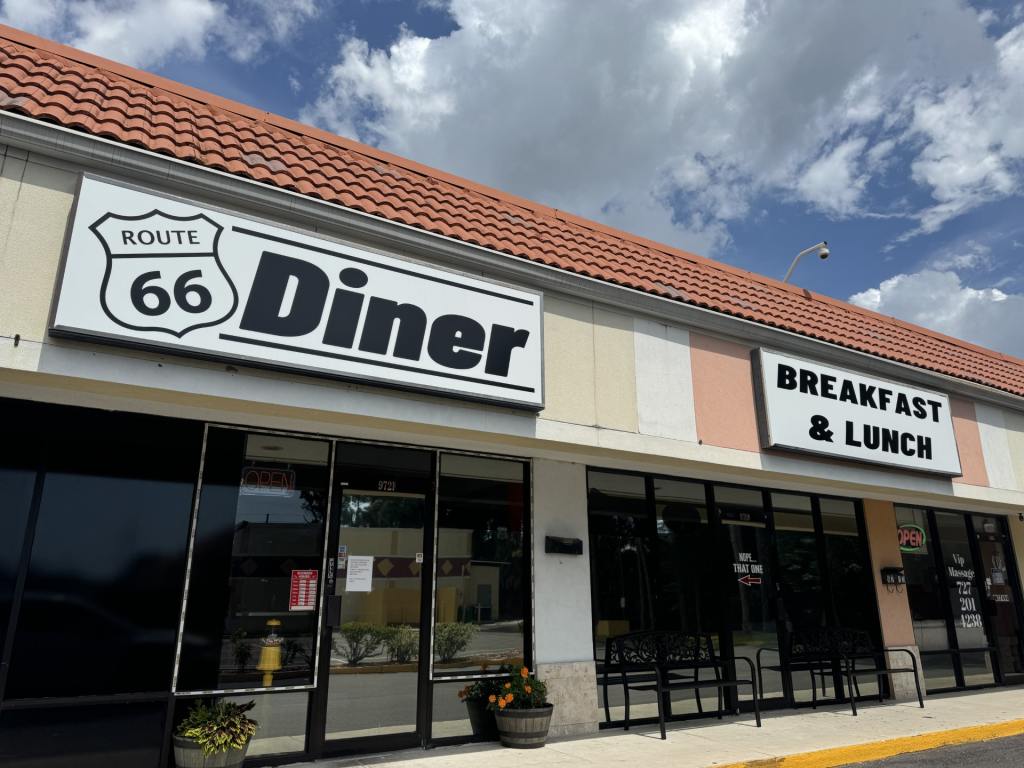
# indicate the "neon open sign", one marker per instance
pixel 267 481
pixel 911 538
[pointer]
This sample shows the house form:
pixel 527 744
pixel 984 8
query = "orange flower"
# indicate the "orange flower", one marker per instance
pixel 492 698
pixel 524 673
pixel 507 686
pixel 528 689
pixel 509 698
pixel 501 703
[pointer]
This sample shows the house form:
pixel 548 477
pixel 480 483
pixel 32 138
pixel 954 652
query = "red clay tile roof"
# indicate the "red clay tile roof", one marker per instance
pixel 54 83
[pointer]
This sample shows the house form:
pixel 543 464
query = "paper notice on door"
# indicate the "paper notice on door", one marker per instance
pixel 359 574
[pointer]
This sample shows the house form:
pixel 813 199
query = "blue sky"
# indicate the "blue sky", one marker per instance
pixel 743 130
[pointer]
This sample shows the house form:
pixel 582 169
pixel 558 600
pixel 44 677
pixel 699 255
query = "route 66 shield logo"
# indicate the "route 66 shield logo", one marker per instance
pixel 163 273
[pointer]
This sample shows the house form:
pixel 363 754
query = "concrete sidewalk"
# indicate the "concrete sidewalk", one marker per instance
pixel 702 743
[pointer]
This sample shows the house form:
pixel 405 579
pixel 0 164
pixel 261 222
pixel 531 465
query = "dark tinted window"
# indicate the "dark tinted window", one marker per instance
pixel 108 736
pixel 15 499
pixel 102 599
pixel 622 552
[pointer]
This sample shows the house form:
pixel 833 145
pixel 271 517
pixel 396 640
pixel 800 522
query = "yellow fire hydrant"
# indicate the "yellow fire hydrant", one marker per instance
pixel 270 654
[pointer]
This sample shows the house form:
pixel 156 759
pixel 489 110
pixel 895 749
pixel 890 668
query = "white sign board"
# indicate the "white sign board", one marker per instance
pixel 359 576
pixel 815 408
pixel 154 271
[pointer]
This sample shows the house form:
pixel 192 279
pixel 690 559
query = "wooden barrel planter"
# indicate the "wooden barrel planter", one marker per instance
pixel 524 728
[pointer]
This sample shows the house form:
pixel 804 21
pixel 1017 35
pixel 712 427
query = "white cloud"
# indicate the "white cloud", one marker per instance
pixel 970 255
pixel 257 22
pixel 669 117
pixel 939 300
pixel 145 33
pixel 834 182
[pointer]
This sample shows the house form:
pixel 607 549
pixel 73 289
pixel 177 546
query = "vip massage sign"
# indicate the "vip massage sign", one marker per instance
pixel 809 407
pixel 145 269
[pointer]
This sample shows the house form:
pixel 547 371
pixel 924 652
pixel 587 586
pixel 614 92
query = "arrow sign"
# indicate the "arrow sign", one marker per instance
pixel 750 581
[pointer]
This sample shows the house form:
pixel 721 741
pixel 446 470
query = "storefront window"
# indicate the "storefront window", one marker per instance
pixel 1000 595
pixel 685 599
pixel 751 594
pixel 746 572
pixel 927 603
pixel 100 608
pixel 481 591
pixel 16 488
pixel 253 592
pixel 799 572
pixel 282 718
pixel 962 589
pixel 621 556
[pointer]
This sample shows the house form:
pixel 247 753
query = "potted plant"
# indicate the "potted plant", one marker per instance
pixel 481 718
pixel 214 735
pixel 521 711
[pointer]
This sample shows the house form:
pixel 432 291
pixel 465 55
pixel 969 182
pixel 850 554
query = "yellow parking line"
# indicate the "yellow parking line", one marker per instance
pixel 878 750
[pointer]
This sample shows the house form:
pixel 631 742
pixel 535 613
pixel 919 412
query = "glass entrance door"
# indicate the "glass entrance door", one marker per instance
pixel 999 598
pixel 378 595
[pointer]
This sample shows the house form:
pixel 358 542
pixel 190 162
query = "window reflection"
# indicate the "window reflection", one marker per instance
pixel 253 591
pixel 481 591
pixel 621 556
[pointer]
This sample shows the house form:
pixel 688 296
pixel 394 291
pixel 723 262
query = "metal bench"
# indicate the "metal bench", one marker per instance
pixel 664 661
pixel 824 651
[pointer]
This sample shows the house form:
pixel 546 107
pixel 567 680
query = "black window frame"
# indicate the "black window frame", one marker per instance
pixel 723 634
pixel 955 652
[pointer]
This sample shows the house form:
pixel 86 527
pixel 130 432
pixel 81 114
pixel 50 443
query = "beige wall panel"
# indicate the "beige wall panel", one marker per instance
pixel 664 381
pixel 1015 442
pixel 615 383
pixel 569 362
pixel 34 237
pixel 883 544
pixel 12 171
pixel 968 442
pixel 995 446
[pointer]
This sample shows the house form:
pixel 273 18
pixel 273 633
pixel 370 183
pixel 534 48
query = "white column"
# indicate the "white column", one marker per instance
pixel 562 623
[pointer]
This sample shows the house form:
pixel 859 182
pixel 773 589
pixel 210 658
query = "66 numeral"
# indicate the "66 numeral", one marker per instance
pixel 143 287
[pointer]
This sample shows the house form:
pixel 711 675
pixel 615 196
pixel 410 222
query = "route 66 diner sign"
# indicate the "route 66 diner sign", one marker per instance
pixel 148 270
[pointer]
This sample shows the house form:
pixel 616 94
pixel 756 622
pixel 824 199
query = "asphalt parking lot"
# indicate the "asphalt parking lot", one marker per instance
pixel 997 753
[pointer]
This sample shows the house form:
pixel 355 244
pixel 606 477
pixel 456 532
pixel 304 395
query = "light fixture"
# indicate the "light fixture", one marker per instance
pixel 820 248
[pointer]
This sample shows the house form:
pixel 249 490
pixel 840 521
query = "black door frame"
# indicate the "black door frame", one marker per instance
pixel 317 745
pixel 999 676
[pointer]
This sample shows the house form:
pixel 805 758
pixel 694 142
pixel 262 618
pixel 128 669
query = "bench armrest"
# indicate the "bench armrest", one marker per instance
pixel 726 659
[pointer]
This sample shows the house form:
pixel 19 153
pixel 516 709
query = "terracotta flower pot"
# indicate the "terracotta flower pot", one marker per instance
pixel 481 720
pixel 524 728
pixel 188 754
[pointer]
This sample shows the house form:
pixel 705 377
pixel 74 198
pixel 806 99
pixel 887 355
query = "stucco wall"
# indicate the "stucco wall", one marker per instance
pixel 35 199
